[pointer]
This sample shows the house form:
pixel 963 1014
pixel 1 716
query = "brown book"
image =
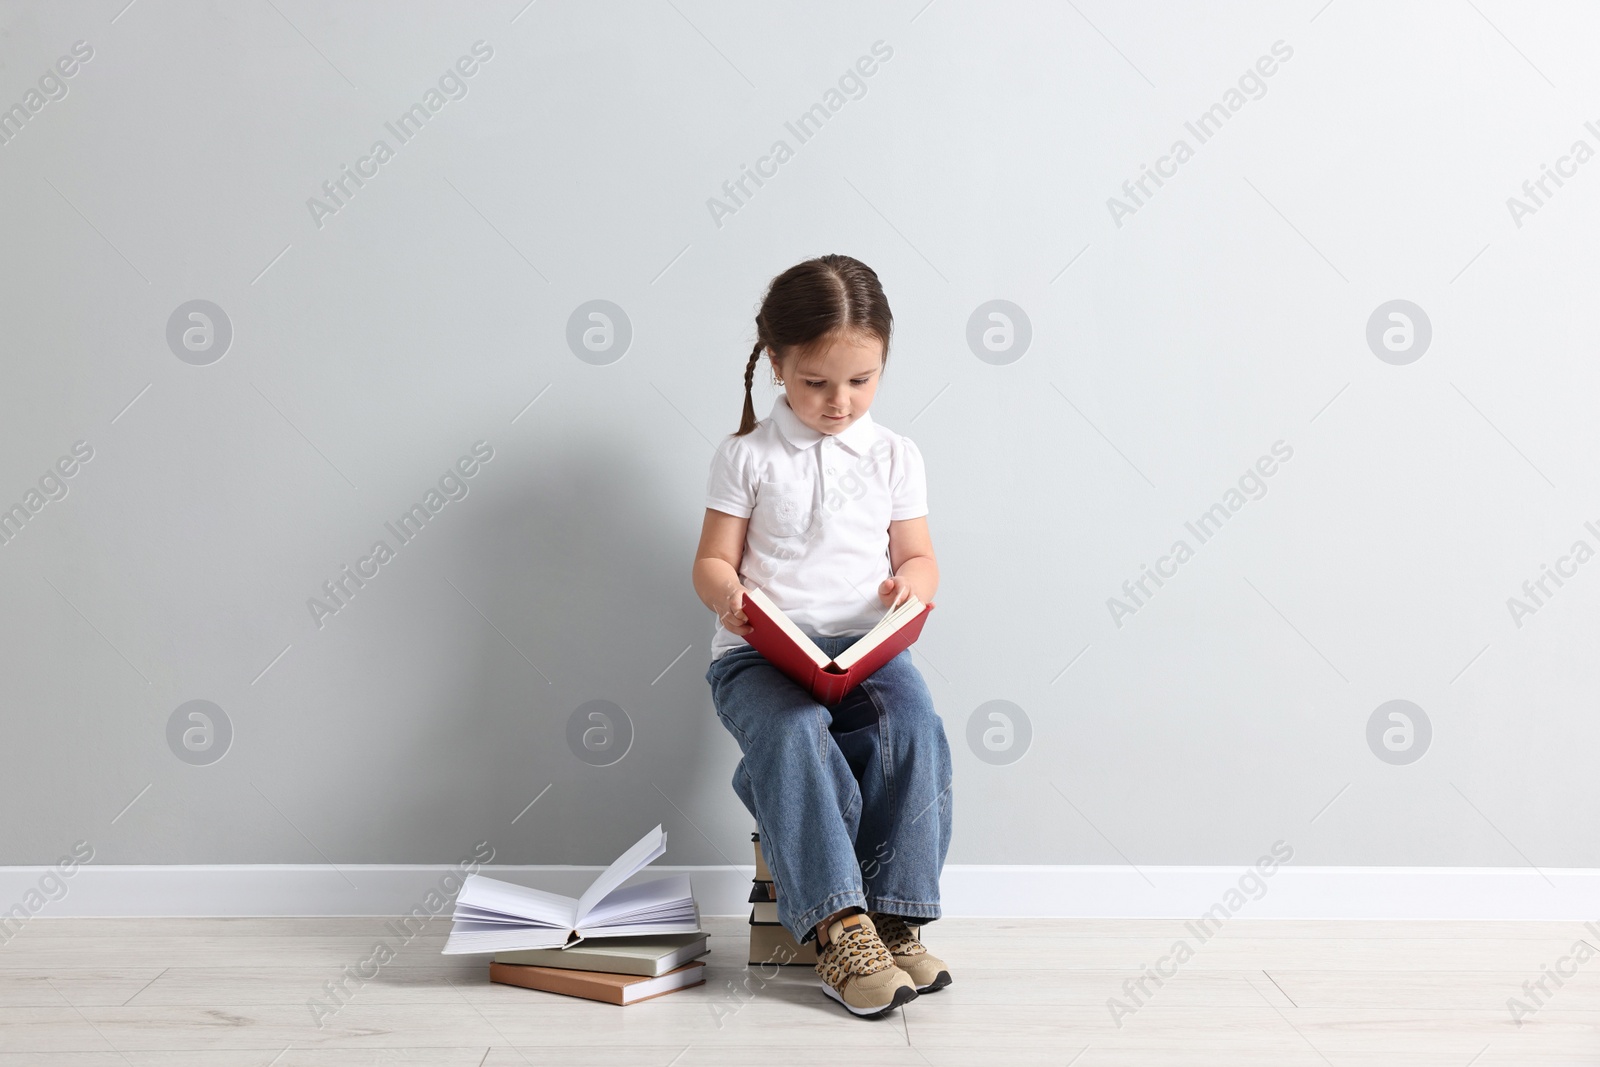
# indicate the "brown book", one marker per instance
pixel 772 944
pixel 598 985
pixel 762 874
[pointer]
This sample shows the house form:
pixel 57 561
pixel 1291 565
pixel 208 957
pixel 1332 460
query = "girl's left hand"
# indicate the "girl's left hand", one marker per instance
pixel 894 591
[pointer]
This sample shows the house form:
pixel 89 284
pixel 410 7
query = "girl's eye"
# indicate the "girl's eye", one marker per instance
pixel 853 381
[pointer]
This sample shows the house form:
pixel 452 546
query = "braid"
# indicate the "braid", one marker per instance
pixel 748 421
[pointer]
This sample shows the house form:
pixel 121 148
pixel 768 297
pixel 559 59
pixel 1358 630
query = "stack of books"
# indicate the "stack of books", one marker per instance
pixel 769 941
pixel 613 944
pixel 620 970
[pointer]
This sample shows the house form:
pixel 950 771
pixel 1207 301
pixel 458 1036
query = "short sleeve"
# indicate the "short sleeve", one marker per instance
pixel 908 483
pixel 729 487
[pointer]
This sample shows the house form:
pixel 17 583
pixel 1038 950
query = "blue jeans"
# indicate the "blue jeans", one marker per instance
pixel 852 800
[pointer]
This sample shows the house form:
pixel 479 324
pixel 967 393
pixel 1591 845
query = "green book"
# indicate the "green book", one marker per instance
pixel 648 956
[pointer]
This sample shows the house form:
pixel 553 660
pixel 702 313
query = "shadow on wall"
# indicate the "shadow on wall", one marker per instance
pixel 582 563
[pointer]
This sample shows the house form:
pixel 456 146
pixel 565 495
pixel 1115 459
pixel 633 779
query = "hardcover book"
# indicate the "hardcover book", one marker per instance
pixel 793 652
pixel 772 944
pixel 495 916
pixel 595 985
pixel 762 874
pixel 648 956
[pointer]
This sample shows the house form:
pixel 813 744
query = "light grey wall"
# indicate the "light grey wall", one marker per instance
pixel 1173 343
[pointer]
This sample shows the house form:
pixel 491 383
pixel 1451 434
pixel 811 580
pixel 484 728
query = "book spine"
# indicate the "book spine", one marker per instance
pixel 828 688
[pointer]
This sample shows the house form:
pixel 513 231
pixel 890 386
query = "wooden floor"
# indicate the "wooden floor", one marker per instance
pixel 235 993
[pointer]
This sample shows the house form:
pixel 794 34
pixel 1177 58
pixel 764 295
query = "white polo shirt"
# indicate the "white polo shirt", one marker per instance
pixel 819 507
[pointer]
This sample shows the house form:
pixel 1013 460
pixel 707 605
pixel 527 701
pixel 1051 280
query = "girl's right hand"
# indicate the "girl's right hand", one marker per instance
pixel 730 611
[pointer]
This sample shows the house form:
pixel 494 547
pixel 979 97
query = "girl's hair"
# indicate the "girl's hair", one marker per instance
pixel 812 302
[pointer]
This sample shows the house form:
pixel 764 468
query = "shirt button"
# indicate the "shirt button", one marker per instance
pixel 830 470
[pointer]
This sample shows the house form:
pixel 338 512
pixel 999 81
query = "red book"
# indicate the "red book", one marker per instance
pixel 789 649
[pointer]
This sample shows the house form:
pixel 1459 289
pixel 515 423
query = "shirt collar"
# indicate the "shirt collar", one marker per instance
pixel 857 436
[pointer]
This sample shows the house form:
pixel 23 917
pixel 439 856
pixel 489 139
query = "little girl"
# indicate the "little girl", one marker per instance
pixel 826 512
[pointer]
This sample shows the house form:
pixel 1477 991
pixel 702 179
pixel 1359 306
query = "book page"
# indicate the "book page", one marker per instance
pixel 646 850
pixel 488 899
pixel 880 633
pixel 799 636
pixel 688 924
pixel 467 939
pixel 688 975
pixel 639 902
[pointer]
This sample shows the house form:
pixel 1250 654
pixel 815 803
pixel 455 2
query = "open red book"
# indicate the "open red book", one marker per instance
pixel 789 649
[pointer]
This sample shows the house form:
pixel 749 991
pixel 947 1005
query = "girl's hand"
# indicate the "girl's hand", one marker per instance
pixel 894 591
pixel 730 611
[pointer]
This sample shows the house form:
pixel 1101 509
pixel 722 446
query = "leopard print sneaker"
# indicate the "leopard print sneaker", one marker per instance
pixel 927 971
pixel 857 970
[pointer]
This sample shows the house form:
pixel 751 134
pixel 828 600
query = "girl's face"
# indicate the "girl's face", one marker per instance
pixel 832 388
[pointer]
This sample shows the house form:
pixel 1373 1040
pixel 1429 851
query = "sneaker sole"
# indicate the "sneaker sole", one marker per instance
pixel 939 982
pixel 902 995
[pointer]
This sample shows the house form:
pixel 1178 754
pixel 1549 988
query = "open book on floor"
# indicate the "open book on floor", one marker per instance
pixel 495 916
pixel 793 652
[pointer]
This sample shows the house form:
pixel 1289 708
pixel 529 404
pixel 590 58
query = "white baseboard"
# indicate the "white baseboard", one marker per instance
pixel 1104 892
